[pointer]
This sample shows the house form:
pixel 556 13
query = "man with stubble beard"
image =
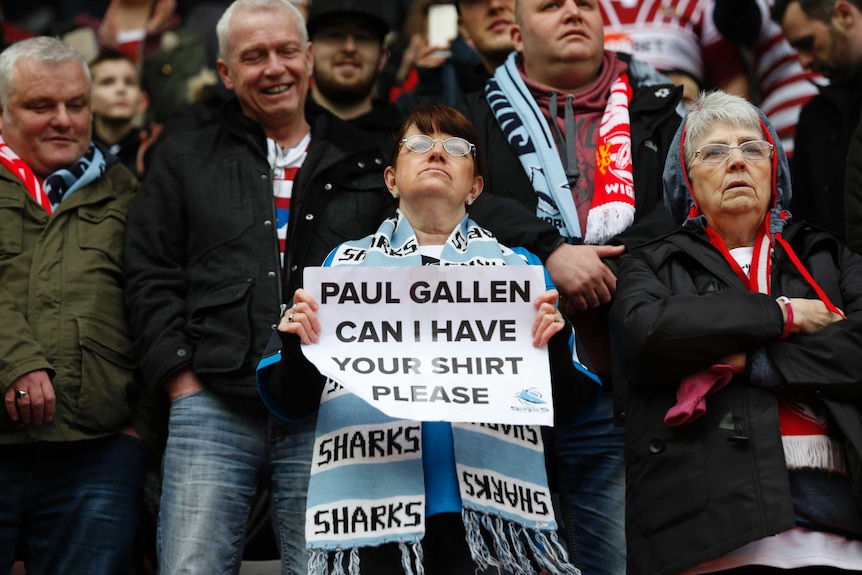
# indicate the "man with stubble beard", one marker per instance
pixel 349 55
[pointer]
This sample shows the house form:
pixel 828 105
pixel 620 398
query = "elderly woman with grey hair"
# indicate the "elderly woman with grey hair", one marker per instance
pixel 737 338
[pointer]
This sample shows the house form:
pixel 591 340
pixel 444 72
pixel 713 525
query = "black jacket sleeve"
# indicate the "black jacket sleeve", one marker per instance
pixel 574 392
pixel 853 192
pixel 294 382
pixel 662 335
pixel 154 267
pixel 829 359
pixel 514 225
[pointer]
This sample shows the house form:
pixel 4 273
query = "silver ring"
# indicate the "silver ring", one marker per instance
pixel 20 393
pixel 290 318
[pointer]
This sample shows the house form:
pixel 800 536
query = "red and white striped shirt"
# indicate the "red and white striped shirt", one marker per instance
pixel 785 86
pixel 672 35
pixel 285 164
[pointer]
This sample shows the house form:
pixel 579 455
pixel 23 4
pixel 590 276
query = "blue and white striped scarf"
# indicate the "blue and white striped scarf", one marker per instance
pixel 394 244
pixel 367 485
pixel 89 168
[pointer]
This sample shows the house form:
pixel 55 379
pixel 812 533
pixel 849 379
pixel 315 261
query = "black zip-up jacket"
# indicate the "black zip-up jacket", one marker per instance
pixel 698 491
pixel 204 281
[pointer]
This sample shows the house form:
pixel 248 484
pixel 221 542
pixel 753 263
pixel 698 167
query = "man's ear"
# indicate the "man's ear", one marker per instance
pixel 845 15
pixel 143 103
pixel 465 34
pixel 384 58
pixel 224 73
pixel 517 40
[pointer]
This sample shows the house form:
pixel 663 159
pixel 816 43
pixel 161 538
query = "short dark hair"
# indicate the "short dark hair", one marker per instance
pixel 113 56
pixel 816 9
pixel 431 117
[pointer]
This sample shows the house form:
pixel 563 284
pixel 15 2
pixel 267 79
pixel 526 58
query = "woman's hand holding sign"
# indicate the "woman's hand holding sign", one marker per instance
pixel 300 319
pixel 549 320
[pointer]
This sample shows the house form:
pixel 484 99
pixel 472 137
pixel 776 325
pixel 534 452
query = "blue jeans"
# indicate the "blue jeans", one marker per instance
pixel 592 454
pixel 217 449
pixel 72 507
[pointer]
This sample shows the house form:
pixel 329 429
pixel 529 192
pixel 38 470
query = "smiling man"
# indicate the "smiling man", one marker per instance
pixel 229 217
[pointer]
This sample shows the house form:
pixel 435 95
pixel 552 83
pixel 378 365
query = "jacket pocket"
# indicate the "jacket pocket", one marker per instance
pixel 11 225
pixel 108 386
pixel 102 230
pixel 668 481
pixel 220 326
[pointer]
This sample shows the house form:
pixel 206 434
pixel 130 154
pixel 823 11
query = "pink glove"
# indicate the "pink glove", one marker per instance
pixel 693 391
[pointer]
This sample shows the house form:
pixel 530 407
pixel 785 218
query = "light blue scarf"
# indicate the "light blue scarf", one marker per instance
pixel 394 244
pixel 367 485
pixel 62 183
pixel 530 136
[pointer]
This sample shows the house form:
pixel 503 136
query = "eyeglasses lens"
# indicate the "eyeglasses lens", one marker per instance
pixel 717 153
pixel 454 146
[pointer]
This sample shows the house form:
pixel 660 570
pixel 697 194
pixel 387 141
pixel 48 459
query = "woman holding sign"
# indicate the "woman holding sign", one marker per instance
pixel 390 495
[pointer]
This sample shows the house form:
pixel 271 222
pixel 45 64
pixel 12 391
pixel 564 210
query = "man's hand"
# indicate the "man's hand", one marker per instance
pixel 38 403
pixel 183 383
pixel 581 276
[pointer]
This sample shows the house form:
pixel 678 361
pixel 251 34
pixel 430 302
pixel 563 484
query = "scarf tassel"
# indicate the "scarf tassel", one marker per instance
pixel 510 547
pixel 607 222
pixel 478 548
pixel 412 561
pixel 552 555
pixel 814 452
pixel 411 555
pixel 318 562
pixel 516 534
pixel 338 563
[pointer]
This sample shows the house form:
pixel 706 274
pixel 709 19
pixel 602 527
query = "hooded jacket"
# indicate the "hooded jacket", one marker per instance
pixel 697 491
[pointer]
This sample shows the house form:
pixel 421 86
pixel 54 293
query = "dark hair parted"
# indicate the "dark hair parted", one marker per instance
pixel 430 117
pixel 814 9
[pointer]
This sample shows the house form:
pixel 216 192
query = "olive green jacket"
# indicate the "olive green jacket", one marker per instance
pixel 62 310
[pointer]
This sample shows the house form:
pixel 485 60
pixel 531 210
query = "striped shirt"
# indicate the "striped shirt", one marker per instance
pixel 285 164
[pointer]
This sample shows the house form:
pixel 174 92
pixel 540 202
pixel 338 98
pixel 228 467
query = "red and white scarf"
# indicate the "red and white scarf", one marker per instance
pixel 525 128
pixel 22 171
pixel 806 432
pixel 613 206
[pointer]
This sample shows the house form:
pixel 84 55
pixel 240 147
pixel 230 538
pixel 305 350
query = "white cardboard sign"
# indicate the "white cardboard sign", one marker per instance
pixel 435 343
